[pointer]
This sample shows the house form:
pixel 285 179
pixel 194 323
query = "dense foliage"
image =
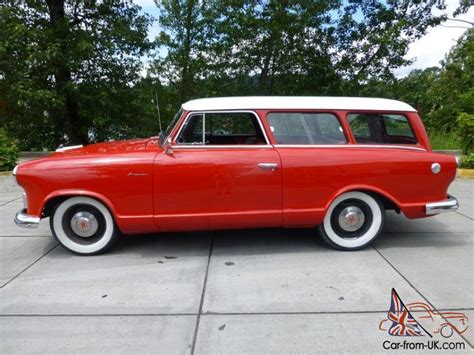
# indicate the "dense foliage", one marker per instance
pixel 467 161
pixel 444 96
pixel 71 71
pixel 306 47
pixel 68 70
pixel 8 152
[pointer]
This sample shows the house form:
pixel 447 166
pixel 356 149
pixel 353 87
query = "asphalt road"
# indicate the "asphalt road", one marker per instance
pixel 257 291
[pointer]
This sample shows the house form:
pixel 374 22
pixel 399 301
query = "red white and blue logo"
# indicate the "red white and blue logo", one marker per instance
pixel 403 323
pixel 400 321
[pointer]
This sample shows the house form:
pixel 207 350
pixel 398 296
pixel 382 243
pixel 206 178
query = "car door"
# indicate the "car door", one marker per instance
pixel 313 162
pixel 222 173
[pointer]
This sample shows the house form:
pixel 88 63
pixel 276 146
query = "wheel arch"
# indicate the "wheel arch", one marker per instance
pixel 60 195
pixel 387 200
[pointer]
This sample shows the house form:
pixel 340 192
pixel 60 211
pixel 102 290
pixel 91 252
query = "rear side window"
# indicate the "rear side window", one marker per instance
pixel 381 129
pixel 306 128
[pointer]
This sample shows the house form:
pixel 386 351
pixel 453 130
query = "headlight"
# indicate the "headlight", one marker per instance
pixel 458 160
pixel 14 174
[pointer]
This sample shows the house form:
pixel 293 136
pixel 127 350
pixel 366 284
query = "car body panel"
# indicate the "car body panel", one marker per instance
pixel 120 177
pixel 148 188
pixel 221 188
pixel 313 177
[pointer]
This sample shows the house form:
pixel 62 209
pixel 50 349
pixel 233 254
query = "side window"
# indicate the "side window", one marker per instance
pixel 360 126
pixel 223 124
pixel 306 128
pixel 191 133
pixel 222 128
pixel 381 129
pixel 396 125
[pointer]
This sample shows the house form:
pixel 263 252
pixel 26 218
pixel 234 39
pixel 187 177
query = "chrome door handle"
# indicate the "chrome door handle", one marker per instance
pixel 271 166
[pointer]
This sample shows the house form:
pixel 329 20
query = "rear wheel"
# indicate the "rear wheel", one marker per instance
pixel 83 225
pixel 352 221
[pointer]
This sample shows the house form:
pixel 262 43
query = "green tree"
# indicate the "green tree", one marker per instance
pixel 67 69
pixel 372 38
pixel 8 152
pixel 184 32
pixel 283 47
pixel 415 89
pixel 453 92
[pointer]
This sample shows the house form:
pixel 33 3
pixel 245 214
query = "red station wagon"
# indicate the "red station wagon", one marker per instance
pixel 245 162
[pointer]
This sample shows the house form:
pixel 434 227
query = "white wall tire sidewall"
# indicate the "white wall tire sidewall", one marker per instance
pixel 372 232
pixel 76 247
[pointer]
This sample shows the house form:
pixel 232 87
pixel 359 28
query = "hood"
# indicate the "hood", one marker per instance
pixel 116 147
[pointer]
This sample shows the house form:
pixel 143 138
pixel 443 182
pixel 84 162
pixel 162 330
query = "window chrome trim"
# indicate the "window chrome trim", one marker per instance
pixel 176 145
pixel 337 115
pixel 185 122
pixel 204 129
pixel 381 113
pixel 383 146
pixel 223 146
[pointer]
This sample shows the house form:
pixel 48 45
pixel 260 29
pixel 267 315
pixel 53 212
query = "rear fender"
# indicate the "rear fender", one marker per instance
pixel 359 187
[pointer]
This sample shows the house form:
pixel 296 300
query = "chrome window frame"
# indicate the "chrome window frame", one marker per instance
pixel 381 113
pixel 176 145
pixel 350 145
pixel 336 116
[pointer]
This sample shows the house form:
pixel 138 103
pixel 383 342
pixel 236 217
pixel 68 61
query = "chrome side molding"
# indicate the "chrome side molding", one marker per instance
pixel 451 204
pixel 63 149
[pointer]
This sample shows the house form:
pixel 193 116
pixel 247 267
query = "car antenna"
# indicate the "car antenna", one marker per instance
pixel 158 111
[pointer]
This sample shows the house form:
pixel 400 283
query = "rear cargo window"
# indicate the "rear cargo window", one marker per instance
pixel 381 129
pixel 306 128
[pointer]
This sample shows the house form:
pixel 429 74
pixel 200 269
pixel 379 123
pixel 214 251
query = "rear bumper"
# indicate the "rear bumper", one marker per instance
pixel 24 220
pixel 451 204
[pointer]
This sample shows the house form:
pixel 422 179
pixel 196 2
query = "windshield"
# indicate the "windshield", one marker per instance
pixel 170 127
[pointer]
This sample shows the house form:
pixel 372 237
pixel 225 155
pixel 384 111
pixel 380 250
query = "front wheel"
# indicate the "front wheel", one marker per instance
pixel 352 221
pixel 83 225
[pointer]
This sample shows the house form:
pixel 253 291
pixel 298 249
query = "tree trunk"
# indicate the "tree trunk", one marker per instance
pixel 262 82
pixel 75 130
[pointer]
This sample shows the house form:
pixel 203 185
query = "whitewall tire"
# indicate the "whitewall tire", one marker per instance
pixel 83 225
pixel 353 220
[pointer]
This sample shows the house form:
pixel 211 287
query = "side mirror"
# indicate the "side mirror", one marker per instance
pixel 167 147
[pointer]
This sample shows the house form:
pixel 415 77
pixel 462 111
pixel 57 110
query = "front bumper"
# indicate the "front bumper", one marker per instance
pixel 24 220
pixel 451 204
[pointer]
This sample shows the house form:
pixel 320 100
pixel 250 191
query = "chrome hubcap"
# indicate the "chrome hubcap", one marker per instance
pixel 351 219
pixel 84 224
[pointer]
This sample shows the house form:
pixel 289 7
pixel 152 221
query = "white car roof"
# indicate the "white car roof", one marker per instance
pixel 296 102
